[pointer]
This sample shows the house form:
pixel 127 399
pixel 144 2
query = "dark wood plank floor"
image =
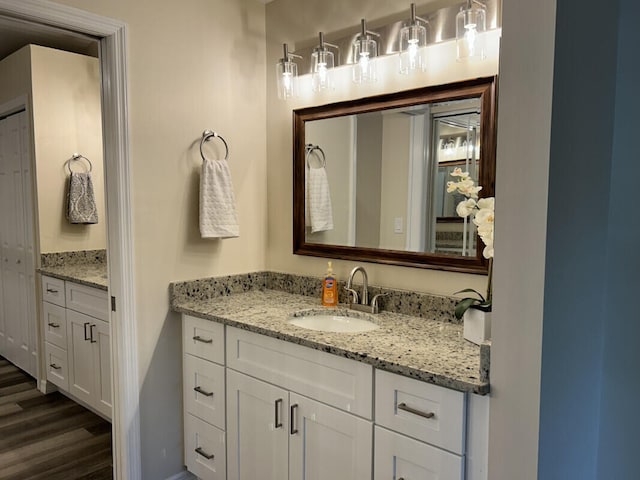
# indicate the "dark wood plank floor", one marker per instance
pixel 48 436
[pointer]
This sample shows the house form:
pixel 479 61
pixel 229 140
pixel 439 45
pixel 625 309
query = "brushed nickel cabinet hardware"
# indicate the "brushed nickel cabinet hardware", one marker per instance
pixel 203 392
pixel 54 325
pixel 52 290
pixel 86 337
pixel 198 338
pixel 91 327
pixel 278 408
pixel 292 419
pixel 54 366
pixel 403 406
pixel 208 456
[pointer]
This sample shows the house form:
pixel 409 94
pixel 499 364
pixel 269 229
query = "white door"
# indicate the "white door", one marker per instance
pixel 80 352
pixel 17 244
pixel 327 443
pixel 99 335
pixel 257 429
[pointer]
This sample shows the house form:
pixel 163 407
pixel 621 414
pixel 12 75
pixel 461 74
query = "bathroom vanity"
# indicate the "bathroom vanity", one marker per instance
pixel 267 399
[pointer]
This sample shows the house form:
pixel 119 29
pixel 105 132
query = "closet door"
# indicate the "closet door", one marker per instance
pixel 16 243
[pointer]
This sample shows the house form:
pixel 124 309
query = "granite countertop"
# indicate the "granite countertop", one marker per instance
pixel 89 274
pixel 420 348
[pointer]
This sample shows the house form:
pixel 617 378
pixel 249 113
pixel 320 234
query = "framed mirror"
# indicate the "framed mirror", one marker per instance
pixel 370 176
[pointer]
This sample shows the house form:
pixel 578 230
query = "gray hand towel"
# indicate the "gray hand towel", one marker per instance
pixel 81 202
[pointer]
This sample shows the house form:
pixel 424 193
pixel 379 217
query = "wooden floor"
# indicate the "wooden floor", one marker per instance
pixel 48 436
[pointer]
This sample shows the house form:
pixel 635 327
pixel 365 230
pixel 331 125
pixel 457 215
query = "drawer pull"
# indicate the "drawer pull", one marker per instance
pixel 278 408
pixel 403 406
pixel 292 419
pixel 203 392
pixel 54 366
pixel 206 455
pixel 86 337
pixel 52 290
pixel 54 325
pixel 198 338
pixel 92 340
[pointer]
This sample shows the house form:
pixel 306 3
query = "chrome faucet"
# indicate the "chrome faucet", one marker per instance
pixel 365 280
pixel 363 303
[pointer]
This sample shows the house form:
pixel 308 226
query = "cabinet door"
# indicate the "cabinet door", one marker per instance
pixel 257 429
pixel 400 457
pixel 326 443
pixel 81 358
pixel 100 338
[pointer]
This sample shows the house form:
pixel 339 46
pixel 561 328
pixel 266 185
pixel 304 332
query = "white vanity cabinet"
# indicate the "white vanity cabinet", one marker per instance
pixel 275 432
pixel 77 345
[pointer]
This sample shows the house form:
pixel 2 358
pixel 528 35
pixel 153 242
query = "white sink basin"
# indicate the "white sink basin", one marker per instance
pixel 333 323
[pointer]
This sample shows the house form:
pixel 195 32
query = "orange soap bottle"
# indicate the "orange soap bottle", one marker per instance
pixel 329 289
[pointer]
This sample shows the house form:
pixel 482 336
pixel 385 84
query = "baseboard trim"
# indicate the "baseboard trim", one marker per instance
pixel 183 475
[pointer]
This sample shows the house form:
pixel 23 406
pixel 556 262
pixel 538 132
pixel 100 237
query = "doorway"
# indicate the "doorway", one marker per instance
pixel 62 20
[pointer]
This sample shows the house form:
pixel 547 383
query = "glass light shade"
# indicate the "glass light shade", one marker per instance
pixel 365 51
pixel 470 27
pixel 287 79
pixel 413 42
pixel 322 63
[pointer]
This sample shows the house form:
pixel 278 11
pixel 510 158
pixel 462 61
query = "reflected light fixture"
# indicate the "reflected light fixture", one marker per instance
pixel 287 75
pixel 322 63
pixel 413 40
pixel 470 25
pixel 365 49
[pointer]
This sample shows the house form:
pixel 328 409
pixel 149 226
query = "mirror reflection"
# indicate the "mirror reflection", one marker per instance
pixel 372 175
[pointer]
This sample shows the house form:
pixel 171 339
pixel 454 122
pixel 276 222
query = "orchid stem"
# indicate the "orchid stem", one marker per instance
pixel 490 283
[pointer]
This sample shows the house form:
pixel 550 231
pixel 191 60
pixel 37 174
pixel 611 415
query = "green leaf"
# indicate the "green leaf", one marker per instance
pixel 463 305
pixel 471 290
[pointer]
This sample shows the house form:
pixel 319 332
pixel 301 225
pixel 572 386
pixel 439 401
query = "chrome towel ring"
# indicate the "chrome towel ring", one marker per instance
pixel 206 135
pixel 75 157
pixel 310 148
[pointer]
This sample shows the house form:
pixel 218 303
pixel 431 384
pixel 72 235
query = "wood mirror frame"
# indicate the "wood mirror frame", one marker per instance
pixel 483 88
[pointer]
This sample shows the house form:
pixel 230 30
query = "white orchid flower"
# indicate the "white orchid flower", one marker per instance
pixel 484 216
pixel 466 207
pixel 457 172
pixel 487 252
pixel 451 187
pixel 488 202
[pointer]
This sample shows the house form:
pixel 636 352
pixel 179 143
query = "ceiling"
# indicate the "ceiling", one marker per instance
pixel 15 34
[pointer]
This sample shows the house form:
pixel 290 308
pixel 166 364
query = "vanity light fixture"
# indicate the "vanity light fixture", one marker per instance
pixel 365 49
pixel 470 26
pixel 322 63
pixel 287 75
pixel 413 40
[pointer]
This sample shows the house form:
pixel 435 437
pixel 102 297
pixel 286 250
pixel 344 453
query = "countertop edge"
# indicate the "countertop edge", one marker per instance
pixel 69 278
pixel 481 388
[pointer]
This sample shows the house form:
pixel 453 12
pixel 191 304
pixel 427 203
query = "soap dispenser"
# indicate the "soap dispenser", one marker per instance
pixel 329 288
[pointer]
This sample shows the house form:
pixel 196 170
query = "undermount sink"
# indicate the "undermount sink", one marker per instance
pixel 332 322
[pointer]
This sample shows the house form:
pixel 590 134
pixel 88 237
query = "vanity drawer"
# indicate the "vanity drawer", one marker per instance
pixel 88 300
pixel 55 324
pixel 203 338
pixel 53 290
pixel 57 366
pixel 204 390
pixel 430 413
pixel 204 449
pixel 397 456
pixel 336 381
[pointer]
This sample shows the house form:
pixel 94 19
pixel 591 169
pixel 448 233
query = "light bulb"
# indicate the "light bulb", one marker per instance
pixel 413 53
pixel 470 37
pixel 286 83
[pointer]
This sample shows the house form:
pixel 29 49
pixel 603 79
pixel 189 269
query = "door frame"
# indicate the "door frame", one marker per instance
pixel 124 348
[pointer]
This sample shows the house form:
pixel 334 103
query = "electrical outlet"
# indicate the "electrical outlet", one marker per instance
pixel 398 225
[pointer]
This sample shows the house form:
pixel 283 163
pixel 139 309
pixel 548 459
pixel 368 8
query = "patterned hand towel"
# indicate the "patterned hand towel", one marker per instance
pixel 218 217
pixel 319 213
pixel 81 202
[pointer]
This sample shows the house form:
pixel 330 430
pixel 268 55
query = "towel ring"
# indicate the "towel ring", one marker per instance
pixel 76 157
pixel 310 148
pixel 206 135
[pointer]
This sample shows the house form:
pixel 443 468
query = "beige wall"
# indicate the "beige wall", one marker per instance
pixel 192 65
pixel 15 77
pixel 297 22
pixel 66 119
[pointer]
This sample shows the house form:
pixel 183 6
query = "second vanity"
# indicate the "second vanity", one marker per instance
pixel 267 399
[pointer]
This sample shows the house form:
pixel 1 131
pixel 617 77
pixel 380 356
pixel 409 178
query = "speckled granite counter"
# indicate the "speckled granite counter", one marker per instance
pixel 86 268
pixel 429 350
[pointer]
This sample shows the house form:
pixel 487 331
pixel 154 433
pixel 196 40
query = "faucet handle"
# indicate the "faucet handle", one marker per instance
pixel 374 301
pixel 352 294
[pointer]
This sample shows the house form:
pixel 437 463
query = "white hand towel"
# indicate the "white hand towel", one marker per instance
pixel 218 217
pixel 318 210
pixel 81 201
